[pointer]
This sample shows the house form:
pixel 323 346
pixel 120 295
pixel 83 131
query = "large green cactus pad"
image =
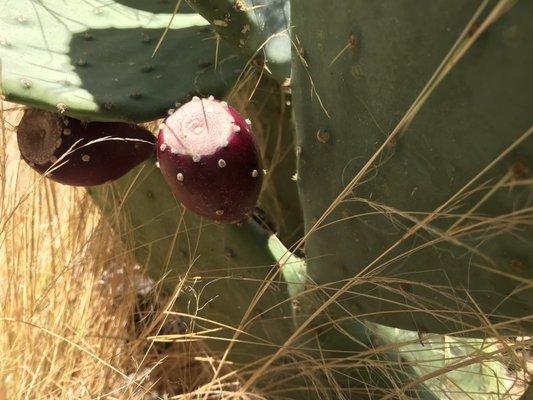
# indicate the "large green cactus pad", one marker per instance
pixel 257 28
pixel 93 60
pixel 471 264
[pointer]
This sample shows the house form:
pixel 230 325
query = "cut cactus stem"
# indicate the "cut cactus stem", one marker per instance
pixel 209 157
pixel 84 154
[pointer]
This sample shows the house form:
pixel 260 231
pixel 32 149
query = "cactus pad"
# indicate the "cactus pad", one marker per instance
pixel 256 28
pixel 93 60
pixel 460 161
pixel 222 266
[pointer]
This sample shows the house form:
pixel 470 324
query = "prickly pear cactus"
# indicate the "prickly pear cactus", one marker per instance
pixel 220 269
pixel 258 29
pixel 98 60
pixel 416 217
pixel 425 190
pixel 269 109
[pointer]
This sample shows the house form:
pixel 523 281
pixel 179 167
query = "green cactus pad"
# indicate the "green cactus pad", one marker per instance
pixel 472 264
pixel 224 265
pixel 255 28
pixel 93 60
pixel 400 363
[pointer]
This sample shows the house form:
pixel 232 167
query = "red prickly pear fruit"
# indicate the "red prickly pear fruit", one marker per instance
pixel 64 147
pixel 209 157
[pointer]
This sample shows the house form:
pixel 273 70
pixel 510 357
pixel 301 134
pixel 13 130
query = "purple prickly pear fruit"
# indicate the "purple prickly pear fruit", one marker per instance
pixel 209 157
pixel 75 153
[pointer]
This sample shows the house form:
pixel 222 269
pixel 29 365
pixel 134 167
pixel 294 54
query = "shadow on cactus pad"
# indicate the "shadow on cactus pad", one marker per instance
pixel 158 6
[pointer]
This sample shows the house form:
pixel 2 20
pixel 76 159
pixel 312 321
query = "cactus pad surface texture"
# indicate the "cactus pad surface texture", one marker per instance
pixel 257 29
pixel 93 60
pixel 415 156
pixel 220 267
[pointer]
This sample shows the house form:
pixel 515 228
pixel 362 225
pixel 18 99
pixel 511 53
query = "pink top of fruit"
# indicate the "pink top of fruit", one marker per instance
pixel 204 125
